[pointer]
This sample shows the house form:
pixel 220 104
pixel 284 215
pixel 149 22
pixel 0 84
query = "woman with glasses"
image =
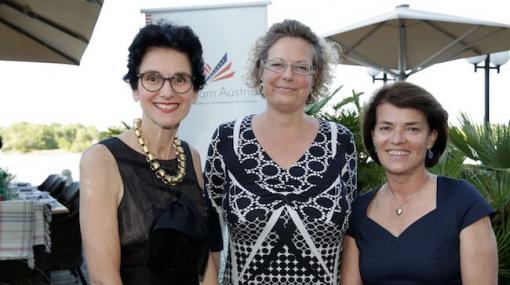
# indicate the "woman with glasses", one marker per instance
pixel 142 212
pixel 283 181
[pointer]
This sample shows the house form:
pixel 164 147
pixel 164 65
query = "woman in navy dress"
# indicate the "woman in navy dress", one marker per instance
pixel 417 228
pixel 283 181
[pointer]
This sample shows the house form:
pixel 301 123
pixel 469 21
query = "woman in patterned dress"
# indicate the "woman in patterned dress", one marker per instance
pixel 282 181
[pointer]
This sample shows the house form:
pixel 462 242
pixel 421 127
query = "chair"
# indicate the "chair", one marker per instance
pixel 69 193
pixel 66 244
pixel 57 186
pixel 44 186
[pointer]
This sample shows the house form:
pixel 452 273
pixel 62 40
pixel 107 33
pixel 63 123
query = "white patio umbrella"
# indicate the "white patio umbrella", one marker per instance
pixel 55 31
pixel 405 41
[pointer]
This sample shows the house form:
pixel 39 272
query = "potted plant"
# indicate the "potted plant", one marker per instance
pixel 5 179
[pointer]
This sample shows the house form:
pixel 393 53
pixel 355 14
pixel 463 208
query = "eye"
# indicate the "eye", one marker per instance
pixel 384 128
pixel 277 65
pixel 302 68
pixel 413 129
pixel 152 77
pixel 181 78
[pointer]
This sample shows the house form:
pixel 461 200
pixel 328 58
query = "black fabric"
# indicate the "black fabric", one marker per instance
pixel 145 198
pixel 178 240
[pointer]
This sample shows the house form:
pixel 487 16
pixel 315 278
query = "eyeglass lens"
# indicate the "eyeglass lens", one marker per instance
pixel 281 66
pixel 153 81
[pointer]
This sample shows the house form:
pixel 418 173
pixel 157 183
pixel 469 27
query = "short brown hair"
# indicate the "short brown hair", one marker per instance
pixel 324 54
pixel 407 95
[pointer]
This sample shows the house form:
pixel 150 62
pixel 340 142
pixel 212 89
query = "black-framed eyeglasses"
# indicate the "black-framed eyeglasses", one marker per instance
pixel 280 66
pixel 153 81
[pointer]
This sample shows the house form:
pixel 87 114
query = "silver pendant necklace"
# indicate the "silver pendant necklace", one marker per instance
pixel 399 210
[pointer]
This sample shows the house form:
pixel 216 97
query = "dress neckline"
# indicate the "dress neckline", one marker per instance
pixel 411 226
pixel 265 153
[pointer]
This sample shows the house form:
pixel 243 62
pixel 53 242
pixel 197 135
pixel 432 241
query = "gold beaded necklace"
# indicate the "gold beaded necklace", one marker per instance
pixel 168 179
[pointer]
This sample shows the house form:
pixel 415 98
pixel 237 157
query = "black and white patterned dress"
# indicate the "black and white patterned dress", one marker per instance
pixel 285 225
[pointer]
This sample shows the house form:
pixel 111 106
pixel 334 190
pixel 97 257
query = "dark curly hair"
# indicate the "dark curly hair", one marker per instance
pixel 407 95
pixel 166 35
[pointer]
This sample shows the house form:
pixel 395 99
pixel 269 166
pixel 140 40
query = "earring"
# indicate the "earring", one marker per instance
pixel 430 154
pixel 260 88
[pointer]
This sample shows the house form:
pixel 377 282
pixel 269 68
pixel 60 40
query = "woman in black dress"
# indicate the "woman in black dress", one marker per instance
pixel 138 188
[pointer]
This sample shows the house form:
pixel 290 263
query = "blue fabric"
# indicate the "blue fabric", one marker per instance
pixel 427 252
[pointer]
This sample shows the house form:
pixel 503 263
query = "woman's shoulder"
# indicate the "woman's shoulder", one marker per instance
pixel 363 199
pixel 340 129
pixel 227 128
pixel 459 192
pixel 456 187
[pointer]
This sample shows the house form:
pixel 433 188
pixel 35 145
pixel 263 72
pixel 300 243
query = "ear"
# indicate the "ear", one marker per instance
pixel 194 97
pixel 136 96
pixel 431 140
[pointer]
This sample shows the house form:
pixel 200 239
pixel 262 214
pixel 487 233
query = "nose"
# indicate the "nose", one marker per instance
pixel 166 89
pixel 397 137
pixel 288 73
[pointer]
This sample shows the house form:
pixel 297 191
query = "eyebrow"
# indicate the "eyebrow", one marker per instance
pixel 302 61
pixel 412 123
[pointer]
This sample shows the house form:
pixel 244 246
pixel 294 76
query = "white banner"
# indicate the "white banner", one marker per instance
pixel 227 33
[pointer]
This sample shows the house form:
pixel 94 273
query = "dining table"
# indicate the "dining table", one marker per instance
pixel 25 222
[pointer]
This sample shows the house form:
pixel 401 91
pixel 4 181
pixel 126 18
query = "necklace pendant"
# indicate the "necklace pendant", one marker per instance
pixel 399 211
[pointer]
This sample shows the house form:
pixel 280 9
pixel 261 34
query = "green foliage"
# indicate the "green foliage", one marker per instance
pixel 5 179
pixel 347 112
pixel 25 137
pixel 114 131
pixel 488 147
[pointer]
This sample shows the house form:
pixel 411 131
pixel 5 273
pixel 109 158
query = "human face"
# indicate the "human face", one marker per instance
pixel 401 138
pixel 164 107
pixel 288 91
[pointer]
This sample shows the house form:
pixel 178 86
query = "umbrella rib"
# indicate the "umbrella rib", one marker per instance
pixel 426 62
pixel 38 17
pixel 21 31
pixel 362 39
pixel 363 60
pixel 450 35
pixel 474 42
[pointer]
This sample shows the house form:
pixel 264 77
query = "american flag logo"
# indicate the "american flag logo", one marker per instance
pixel 148 19
pixel 221 70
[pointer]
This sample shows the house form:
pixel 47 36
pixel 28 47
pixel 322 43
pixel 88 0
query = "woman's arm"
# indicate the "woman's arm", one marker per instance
pixel 478 254
pixel 211 271
pixel 100 187
pixel 349 273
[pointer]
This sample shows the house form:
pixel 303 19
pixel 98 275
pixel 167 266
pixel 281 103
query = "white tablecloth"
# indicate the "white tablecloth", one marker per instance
pixel 23 224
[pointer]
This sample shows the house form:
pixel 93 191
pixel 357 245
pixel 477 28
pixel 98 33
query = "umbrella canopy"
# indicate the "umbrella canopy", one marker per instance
pixel 405 41
pixel 55 31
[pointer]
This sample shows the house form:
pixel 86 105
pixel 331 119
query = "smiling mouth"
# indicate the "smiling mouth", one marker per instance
pixel 397 152
pixel 166 106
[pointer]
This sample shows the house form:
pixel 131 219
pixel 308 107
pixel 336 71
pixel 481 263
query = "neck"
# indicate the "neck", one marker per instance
pixel 284 122
pixel 159 140
pixel 403 187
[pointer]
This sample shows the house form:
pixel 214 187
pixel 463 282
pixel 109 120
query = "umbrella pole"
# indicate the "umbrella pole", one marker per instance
pixel 487 74
pixel 402 64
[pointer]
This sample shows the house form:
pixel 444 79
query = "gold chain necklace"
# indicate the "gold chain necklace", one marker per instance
pixel 399 210
pixel 168 179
